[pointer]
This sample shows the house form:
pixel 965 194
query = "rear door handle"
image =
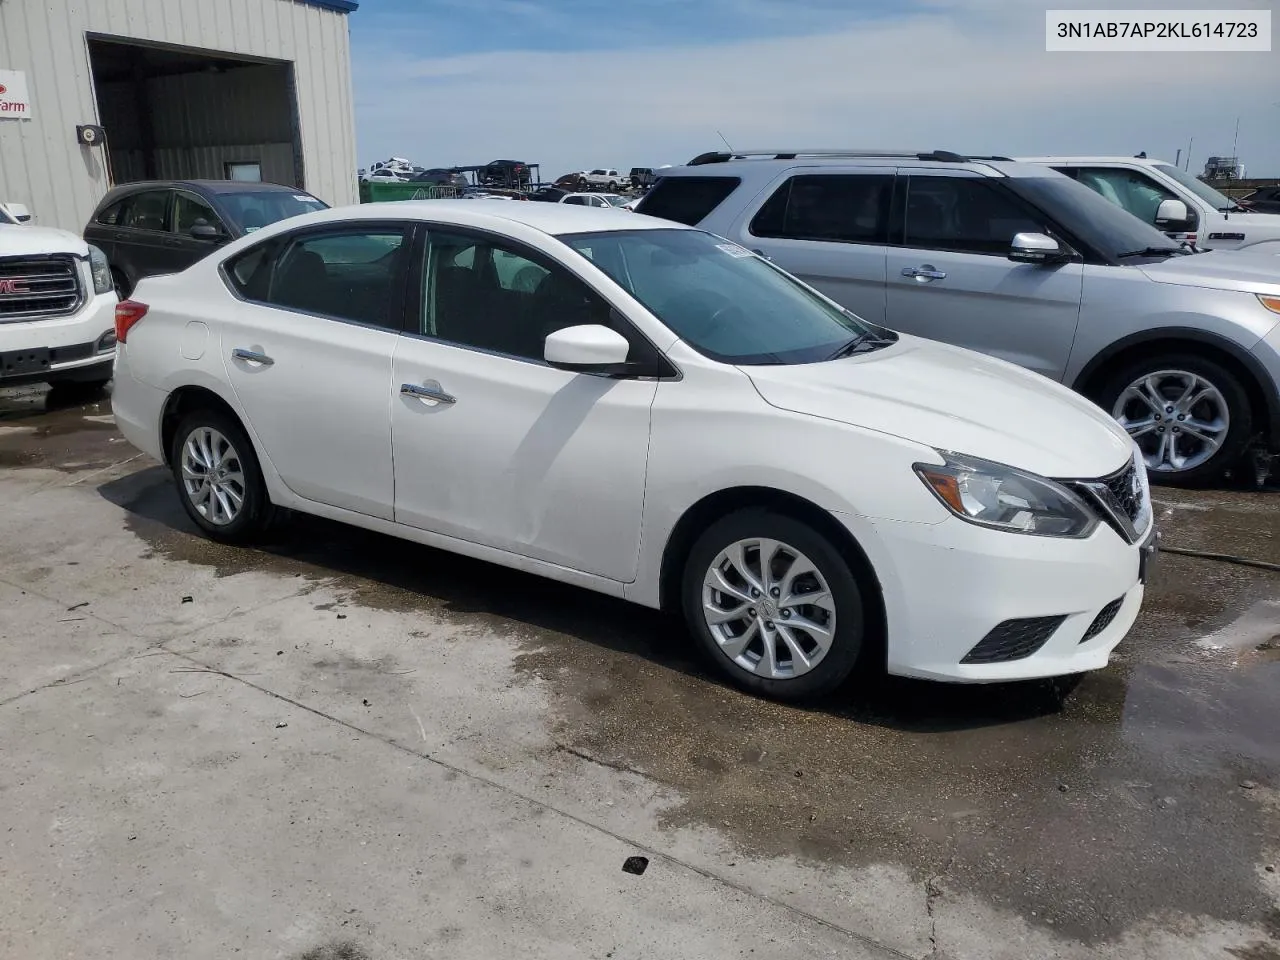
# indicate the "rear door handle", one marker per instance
pixel 252 356
pixel 430 391
pixel 923 274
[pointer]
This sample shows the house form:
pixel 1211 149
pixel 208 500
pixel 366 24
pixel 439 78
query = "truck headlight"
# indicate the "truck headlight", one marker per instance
pixel 101 270
pixel 993 495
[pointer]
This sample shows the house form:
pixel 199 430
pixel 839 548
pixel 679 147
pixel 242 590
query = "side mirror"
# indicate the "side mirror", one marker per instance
pixel 1036 248
pixel 589 348
pixel 1172 215
pixel 19 212
pixel 202 229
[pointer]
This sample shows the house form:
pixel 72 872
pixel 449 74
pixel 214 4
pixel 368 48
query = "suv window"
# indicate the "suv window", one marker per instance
pixel 687 200
pixel 964 214
pixel 1136 192
pixel 187 209
pixel 501 298
pixel 349 274
pixel 112 214
pixel 845 208
pixel 147 211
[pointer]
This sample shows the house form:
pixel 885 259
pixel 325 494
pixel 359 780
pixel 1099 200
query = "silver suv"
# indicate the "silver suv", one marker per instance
pixel 1020 262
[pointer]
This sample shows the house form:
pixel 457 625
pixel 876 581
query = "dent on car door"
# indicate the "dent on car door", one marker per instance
pixel 830 229
pixel 951 278
pixel 494 446
pixel 308 351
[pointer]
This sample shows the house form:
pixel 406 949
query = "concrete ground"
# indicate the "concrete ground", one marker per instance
pixel 344 746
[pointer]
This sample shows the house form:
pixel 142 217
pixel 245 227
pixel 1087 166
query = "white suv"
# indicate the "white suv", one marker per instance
pixel 57 305
pixel 1183 206
pixel 1020 262
pixel 652 412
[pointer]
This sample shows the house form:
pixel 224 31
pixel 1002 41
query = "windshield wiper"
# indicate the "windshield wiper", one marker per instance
pixel 862 343
pixel 1150 252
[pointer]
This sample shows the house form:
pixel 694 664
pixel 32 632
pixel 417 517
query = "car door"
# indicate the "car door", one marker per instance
pixel 188 211
pixel 308 351
pixel 830 228
pixel 145 244
pixel 950 278
pixel 494 446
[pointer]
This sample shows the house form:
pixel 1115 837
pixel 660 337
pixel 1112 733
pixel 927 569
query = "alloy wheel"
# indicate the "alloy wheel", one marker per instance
pixel 213 476
pixel 1178 419
pixel 768 608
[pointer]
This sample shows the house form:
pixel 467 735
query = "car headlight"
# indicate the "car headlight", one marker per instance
pixel 993 495
pixel 101 271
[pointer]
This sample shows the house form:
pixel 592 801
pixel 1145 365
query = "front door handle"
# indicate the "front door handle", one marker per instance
pixel 923 273
pixel 252 356
pixel 430 391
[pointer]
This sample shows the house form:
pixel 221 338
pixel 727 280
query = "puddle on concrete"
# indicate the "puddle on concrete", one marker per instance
pixel 1086 817
pixel 61 429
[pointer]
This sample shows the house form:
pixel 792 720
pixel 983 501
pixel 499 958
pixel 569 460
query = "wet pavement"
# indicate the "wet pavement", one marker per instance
pixel 1146 799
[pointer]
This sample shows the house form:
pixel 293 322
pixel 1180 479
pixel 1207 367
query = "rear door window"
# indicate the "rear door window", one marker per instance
pixel 687 200
pixel 843 208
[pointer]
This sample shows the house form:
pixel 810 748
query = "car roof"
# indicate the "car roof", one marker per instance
pixel 1133 161
pixel 207 186
pixel 554 219
pixel 738 165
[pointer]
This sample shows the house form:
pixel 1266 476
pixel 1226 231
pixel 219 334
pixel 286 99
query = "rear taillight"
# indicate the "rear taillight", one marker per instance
pixel 128 313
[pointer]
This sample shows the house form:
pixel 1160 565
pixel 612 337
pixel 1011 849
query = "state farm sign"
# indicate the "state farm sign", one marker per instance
pixel 15 103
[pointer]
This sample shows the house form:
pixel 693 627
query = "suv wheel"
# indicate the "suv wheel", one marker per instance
pixel 218 477
pixel 1189 415
pixel 773 604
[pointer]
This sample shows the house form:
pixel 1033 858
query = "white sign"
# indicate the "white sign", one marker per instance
pixel 1173 31
pixel 15 104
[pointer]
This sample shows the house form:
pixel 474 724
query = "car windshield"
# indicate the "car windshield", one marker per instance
pixel 614 200
pixel 255 209
pixel 1109 229
pixel 1219 201
pixel 722 299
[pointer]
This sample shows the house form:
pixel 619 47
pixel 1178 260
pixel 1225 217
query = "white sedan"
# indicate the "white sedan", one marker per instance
pixel 649 411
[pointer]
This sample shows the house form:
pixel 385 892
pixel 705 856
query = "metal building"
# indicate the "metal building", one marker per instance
pixel 212 89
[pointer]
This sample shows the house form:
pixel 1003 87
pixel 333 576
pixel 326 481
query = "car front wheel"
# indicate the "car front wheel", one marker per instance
pixel 218 477
pixel 1189 415
pixel 773 604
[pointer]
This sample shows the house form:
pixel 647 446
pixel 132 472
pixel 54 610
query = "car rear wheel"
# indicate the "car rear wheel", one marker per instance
pixel 218 477
pixel 1189 415
pixel 773 604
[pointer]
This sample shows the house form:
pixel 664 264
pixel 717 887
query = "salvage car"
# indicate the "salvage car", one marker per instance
pixel 1023 263
pixel 153 227
pixel 57 308
pixel 652 412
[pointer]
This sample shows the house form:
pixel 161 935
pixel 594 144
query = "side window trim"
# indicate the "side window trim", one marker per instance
pixel 282 242
pixel 417 290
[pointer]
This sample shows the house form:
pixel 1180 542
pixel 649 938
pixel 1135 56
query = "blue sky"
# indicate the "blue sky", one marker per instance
pixel 585 83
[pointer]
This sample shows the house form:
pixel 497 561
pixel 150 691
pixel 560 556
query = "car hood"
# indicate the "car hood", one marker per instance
pixel 957 400
pixel 1239 270
pixel 25 240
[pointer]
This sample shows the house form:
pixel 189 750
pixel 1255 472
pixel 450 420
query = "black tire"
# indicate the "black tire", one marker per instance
pixel 256 513
pixel 1227 383
pixel 846 645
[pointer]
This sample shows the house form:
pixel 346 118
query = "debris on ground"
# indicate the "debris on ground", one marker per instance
pixel 636 865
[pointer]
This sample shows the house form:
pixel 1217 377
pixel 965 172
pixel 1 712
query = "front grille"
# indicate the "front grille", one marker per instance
pixel 1103 620
pixel 32 288
pixel 1014 640
pixel 1118 500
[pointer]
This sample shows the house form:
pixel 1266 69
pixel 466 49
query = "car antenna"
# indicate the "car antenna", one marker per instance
pixel 726 142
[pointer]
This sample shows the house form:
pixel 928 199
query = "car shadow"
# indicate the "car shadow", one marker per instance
pixel 462 586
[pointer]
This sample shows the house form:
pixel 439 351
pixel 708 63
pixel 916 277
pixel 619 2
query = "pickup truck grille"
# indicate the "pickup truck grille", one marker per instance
pixel 33 288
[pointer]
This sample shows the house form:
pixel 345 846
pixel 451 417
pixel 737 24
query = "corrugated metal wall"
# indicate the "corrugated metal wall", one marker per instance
pixel 203 121
pixel 43 167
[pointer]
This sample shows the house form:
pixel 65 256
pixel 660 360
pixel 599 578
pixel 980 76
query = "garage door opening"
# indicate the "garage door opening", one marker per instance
pixel 175 113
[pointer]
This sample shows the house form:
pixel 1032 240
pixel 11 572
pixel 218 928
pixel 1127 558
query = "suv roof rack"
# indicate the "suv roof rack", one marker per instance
pixel 724 156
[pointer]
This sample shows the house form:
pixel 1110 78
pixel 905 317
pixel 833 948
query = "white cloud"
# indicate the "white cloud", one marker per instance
pixel 969 75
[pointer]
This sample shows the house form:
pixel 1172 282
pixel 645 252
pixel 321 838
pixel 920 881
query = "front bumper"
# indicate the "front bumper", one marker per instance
pixel 77 347
pixel 948 587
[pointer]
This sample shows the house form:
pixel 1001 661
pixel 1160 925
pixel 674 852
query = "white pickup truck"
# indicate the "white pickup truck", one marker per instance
pixel 57 307
pixel 605 177
pixel 1184 207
